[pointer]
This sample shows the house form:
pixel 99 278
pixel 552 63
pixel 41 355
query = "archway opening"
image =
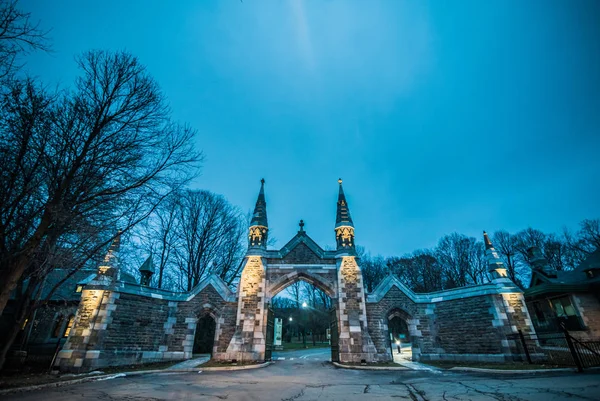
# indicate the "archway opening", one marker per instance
pixel 400 338
pixel 204 339
pixel 303 313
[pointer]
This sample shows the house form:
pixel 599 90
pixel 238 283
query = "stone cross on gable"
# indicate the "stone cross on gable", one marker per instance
pixel 301 224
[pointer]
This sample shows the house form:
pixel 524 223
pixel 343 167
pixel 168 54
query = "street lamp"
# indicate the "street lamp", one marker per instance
pixel 304 305
pixel 290 319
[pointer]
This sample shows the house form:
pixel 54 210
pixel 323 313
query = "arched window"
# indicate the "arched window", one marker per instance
pixel 69 325
pixel 57 328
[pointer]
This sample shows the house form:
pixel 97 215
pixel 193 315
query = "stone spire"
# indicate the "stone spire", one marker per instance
pixel 110 264
pixel 146 271
pixel 259 227
pixel 486 241
pixel 344 227
pixel 496 267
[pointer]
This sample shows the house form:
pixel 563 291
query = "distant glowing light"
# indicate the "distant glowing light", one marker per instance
pixel 304 304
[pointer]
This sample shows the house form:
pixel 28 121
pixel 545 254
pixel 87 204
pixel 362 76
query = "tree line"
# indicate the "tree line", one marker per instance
pixel 458 260
pixel 304 310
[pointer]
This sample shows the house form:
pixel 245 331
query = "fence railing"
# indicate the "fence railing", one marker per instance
pixel 561 349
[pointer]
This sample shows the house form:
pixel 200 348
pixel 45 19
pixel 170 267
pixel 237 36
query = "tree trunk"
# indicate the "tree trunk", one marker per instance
pixel 23 309
pixel 11 335
pixel 14 271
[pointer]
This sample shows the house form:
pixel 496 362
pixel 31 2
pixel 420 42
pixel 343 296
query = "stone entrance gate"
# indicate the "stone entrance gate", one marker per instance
pixel 124 323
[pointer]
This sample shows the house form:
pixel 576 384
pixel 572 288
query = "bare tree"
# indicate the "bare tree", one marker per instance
pixel 506 245
pixel 18 36
pixel 460 257
pixel 374 269
pixel 106 152
pixel 526 239
pixel 158 236
pixel 211 233
pixel 420 271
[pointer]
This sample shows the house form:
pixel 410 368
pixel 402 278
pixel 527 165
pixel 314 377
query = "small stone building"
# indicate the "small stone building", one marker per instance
pixel 568 297
pixel 124 323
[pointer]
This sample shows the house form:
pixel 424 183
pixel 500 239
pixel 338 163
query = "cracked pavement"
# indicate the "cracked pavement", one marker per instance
pixel 302 379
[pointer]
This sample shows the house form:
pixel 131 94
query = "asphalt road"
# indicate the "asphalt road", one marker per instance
pixel 302 376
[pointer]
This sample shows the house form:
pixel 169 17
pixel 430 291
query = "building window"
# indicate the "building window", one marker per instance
pixel 566 312
pixel 79 288
pixel 539 313
pixel 57 328
pixel 69 325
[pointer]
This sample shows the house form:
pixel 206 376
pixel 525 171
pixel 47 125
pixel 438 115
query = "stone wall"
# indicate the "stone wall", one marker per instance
pixel 378 313
pixel 469 323
pixel 588 306
pixel 129 324
pixel 301 254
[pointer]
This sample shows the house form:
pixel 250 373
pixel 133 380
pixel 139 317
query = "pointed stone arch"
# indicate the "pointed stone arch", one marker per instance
pixel 285 281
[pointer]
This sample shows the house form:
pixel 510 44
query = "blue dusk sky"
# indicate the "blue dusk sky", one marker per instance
pixel 440 116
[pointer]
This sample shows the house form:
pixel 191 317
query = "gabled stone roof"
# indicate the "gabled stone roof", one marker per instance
pixel 499 286
pixel 300 238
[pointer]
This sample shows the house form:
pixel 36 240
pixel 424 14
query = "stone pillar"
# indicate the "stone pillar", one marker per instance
pixel 82 350
pixel 355 343
pixel 248 342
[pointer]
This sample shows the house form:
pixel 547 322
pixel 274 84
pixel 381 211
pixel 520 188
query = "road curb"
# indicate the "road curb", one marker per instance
pixel 230 368
pixel 125 374
pixel 510 371
pixel 342 366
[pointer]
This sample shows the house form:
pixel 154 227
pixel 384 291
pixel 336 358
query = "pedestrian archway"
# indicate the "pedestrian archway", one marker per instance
pixel 401 341
pixel 204 339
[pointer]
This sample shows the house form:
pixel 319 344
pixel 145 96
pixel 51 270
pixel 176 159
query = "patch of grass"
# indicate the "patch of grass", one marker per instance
pixel 483 365
pixel 27 377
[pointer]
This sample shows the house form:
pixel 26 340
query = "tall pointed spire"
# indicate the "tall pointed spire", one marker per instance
pixel 259 226
pixel 110 264
pixel 486 241
pixel 343 217
pixel 496 267
pixel 344 227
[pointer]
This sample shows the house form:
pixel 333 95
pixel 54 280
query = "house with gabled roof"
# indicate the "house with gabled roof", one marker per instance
pixel 570 298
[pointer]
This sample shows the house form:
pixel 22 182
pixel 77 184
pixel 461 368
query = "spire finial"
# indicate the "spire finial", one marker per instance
pixel 340 181
pixel 301 224
pixel 262 181
pixel 486 240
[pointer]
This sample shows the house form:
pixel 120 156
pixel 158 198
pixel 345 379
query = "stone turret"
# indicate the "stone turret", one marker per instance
pixel 146 271
pixel 259 226
pixel 496 268
pixel 344 227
